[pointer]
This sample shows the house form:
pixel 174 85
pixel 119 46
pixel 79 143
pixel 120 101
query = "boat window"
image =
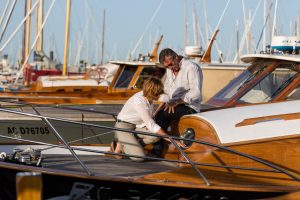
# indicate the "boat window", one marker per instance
pixel 270 85
pixel 239 82
pixel 295 94
pixel 125 77
pixel 147 72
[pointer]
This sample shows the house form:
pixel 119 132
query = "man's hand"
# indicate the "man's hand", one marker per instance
pixel 172 104
pixel 169 107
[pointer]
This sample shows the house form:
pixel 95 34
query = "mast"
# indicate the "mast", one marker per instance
pixel 237 42
pixel 270 21
pixel 196 26
pixel 186 37
pixel 274 30
pixel 28 25
pixel 24 35
pixel 206 20
pixel 102 44
pixel 249 33
pixel 39 21
pixel 264 31
pixel 66 37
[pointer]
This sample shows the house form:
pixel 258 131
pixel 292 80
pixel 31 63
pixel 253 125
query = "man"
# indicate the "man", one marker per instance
pixel 183 88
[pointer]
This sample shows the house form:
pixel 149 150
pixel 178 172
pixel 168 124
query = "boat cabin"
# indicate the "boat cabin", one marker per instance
pixel 131 75
pixel 269 78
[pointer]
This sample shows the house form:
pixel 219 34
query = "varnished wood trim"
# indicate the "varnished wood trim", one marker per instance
pixel 251 121
pixel 213 131
pixel 286 91
pixel 136 76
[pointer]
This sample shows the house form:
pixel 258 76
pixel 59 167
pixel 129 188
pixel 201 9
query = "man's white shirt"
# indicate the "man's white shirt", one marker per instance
pixel 187 85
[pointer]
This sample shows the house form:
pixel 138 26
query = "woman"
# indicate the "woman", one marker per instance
pixel 137 114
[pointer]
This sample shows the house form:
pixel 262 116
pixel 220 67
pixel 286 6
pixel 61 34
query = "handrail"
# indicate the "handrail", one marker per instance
pixel 171 138
pixel 59 137
pixel 131 155
pixel 46 119
pixel 57 107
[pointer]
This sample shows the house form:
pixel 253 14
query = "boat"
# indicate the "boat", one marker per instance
pixel 90 88
pixel 268 78
pixel 286 44
pixel 225 158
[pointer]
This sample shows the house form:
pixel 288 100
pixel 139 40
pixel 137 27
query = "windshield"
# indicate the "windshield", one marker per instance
pixel 149 71
pixel 270 85
pixel 125 77
pixel 239 82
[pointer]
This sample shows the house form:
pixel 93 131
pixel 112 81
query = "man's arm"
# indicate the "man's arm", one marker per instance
pixel 195 84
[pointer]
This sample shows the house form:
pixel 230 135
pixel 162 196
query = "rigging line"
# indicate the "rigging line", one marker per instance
pixel 35 41
pixel 4 12
pixel 220 19
pixel 244 12
pixel 262 31
pixel 245 19
pixel 147 27
pixel 19 26
pixel 246 30
pixel 222 15
pixel 275 18
pixel 8 19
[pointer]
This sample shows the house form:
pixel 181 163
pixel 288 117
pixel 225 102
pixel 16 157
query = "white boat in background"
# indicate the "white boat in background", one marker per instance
pixel 286 44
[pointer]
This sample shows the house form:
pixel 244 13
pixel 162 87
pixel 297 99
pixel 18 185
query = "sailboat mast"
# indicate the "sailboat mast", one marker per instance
pixel 39 21
pixel 24 35
pixel 102 44
pixel 68 8
pixel 186 40
pixel 270 21
pixel 206 20
pixel 264 31
pixel 28 25
pixel 196 26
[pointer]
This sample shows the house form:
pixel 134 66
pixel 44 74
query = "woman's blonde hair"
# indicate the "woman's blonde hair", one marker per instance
pixel 152 88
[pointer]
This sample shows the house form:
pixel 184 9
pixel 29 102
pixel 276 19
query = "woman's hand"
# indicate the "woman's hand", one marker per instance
pixel 180 144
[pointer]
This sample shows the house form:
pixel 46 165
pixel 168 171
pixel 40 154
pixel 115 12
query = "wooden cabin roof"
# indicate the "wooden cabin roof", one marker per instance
pixel 264 121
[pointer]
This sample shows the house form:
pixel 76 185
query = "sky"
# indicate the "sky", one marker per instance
pixel 133 26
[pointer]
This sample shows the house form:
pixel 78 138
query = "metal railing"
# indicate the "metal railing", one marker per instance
pixel 66 145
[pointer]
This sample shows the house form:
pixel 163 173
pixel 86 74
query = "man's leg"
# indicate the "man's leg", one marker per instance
pixel 164 119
